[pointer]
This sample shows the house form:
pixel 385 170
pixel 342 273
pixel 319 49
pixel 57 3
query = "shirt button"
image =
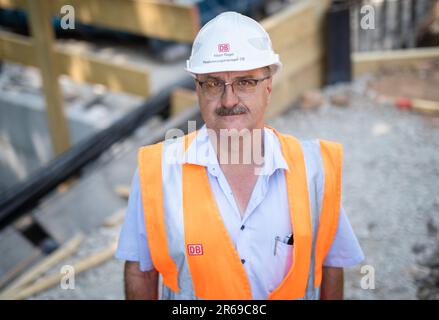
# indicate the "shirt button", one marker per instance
pixel 242 227
pixel 243 261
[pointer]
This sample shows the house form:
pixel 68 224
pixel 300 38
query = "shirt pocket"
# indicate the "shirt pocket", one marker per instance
pixel 283 258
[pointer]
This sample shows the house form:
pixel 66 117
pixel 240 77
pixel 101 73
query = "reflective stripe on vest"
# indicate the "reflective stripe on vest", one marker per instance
pixel 219 273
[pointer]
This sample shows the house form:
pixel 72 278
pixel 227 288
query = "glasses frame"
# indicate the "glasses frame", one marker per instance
pixel 231 84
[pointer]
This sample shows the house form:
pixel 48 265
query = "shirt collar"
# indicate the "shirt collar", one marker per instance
pixel 273 157
pixel 201 152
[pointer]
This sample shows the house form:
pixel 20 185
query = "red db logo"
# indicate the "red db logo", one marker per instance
pixel 224 47
pixel 195 249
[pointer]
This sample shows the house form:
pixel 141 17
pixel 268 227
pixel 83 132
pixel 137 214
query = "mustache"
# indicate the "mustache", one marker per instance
pixel 238 109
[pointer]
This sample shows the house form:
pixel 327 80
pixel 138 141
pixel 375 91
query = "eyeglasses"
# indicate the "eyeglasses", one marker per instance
pixel 214 88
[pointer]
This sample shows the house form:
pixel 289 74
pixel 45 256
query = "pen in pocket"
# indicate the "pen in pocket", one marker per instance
pixel 275 243
pixel 289 240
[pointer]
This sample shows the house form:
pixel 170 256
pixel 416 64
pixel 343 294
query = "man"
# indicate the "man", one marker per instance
pixel 216 228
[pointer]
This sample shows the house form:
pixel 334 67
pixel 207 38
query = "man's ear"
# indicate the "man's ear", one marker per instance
pixel 269 89
pixel 269 85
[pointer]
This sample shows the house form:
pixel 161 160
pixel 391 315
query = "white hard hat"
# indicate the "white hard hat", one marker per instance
pixel 232 42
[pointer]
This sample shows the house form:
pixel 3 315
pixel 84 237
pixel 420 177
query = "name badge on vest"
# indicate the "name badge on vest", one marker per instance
pixel 195 249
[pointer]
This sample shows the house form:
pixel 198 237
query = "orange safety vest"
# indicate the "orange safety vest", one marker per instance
pixel 218 273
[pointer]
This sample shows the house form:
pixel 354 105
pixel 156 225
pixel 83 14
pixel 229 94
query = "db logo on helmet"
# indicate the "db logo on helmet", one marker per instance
pixel 224 47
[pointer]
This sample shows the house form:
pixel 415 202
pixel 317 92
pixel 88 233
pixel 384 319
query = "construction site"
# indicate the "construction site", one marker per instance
pixel 85 83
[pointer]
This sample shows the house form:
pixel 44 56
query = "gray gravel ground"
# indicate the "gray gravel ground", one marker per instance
pixel 390 183
pixel 102 282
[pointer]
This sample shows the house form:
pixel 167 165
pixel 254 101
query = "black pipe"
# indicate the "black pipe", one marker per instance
pixel 338 42
pixel 19 199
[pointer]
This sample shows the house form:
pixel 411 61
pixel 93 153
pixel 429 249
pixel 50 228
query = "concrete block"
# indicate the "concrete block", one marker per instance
pixel 16 251
pixel 81 209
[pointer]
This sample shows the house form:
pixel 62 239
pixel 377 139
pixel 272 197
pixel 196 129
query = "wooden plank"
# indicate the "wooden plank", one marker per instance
pixel 49 281
pixel 118 76
pixel 320 8
pixel 425 106
pixel 301 54
pixel 122 191
pixel 296 35
pixel 16 270
pixel 42 32
pixel 15 251
pixel 288 88
pixel 182 99
pixel 371 62
pixel 13 4
pixel 31 275
pixel 17 48
pixel 160 19
pixel 115 219
pixel 290 26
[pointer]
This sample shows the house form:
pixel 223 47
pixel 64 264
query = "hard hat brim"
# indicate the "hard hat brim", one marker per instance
pixel 275 67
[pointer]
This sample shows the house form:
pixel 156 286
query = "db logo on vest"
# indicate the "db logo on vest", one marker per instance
pixel 195 249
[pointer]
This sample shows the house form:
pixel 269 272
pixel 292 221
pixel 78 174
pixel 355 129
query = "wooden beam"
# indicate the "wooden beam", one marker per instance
pixel 12 273
pixel 119 76
pixel 13 4
pixel 371 62
pixel 56 257
pixel 288 88
pixel 288 27
pixel 49 281
pixel 301 54
pixel 296 35
pixel 160 19
pixel 115 219
pixel 425 106
pixel 123 191
pixel 42 32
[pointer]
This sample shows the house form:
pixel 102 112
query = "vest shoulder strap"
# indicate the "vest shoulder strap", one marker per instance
pixel 151 185
pixel 331 153
pixel 294 285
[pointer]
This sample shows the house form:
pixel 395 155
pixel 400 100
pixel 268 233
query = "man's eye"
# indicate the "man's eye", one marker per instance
pixel 213 84
pixel 246 83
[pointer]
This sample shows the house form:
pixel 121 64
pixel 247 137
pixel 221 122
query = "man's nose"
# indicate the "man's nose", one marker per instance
pixel 229 98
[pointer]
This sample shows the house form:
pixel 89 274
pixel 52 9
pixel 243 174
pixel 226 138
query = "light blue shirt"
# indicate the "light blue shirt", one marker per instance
pixel 266 216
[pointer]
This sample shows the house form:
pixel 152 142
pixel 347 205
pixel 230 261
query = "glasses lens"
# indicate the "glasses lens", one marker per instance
pixel 213 88
pixel 245 86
